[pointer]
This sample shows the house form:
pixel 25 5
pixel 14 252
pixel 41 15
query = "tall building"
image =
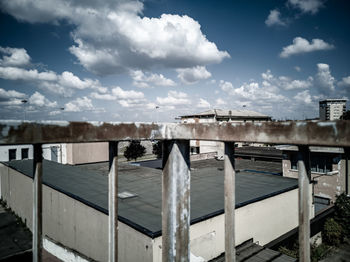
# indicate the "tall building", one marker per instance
pixel 332 109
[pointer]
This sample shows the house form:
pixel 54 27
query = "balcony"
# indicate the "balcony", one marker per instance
pixel 176 168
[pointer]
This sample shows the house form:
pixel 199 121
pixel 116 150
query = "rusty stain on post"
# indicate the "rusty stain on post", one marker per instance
pixel 314 133
pixel 37 204
pixel 230 252
pixel 304 203
pixel 176 201
pixel 113 202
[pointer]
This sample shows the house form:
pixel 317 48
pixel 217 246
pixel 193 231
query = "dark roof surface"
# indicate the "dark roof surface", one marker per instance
pixel 89 184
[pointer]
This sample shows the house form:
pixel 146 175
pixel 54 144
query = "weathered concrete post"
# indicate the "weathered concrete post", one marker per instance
pixel 304 203
pixel 37 203
pixel 230 173
pixel 176 201
pixel 113 202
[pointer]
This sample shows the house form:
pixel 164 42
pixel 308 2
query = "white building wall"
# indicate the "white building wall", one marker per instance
pixel 85 229
pixel 4 152
pixel 59 149
pixel 263 221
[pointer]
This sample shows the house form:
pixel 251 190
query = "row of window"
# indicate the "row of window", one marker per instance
pixel 321 163
pixel 13 154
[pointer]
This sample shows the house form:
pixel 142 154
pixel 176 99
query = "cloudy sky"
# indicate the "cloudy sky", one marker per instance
pixel 120 60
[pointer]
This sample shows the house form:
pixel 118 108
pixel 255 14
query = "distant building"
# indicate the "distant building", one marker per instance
pixel 328 170
pixel 332 109
pixel 219 116
pixel 66 153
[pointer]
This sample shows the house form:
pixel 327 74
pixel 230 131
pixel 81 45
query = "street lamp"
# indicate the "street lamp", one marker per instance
pixel 157 107
pixel 24 101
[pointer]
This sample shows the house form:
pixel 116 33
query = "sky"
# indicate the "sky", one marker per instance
pixel 150 61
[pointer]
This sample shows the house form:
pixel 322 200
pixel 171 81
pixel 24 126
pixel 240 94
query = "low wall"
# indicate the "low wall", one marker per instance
pixel 203 156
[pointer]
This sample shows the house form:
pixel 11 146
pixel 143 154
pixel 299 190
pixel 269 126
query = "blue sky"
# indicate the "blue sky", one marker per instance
pixel 119 60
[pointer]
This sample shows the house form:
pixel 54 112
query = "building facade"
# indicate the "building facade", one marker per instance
pixel 220 116
pixel 328 170
pixel 332 109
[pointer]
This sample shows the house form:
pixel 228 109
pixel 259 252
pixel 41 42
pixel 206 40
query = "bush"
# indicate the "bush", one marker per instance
pixel 332 232
pixel 157 149
pixel 342 213
pixel 319 252
pixel 134 150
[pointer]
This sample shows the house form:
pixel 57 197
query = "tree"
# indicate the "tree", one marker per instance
pixel 346 115
pixel 157 149
pixel 134 150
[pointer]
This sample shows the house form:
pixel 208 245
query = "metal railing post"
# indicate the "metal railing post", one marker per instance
pixel 176 201
pixel 304 203
pixel 113 202
pixel 37 203
pixel 230 173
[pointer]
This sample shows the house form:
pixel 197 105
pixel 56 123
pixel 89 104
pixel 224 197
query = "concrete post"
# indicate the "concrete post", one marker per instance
pixel 113 202
pixel 230 173
pixel 304 203
pixel 176 201
pixel 37 203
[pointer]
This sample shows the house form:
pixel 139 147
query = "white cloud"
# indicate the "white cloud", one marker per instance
pixel 68 79
pixel 226 86
pixel 14 57
pixel 325 80
pixel 203 103
pixel 345 81
pixel 301 45
pixel 303 97
pixel 142 80
pixel 10 94
pixel 126 98
pixel 193 75
pixel 273 84
pixel 40 100
pixel 79 105
pixel 119 93
pixel 307 6
pixel 297 68
pixel 288 84
pixel 111 36
pixel 275 19
pixel 15 73
pixel 220 102
pixel 97 95
pixel 63 84
pixel 174 98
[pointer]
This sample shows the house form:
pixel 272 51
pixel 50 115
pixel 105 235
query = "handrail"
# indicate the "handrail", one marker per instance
pixel 312 133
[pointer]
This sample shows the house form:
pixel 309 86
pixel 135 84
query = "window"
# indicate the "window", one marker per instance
pixel 194 149
pixel 321 163
pixel 12 154
pixel 24 153
pixel 294 161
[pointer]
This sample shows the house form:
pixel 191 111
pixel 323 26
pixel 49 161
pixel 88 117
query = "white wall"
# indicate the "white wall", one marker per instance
pixel 4 152
pixel 61 150
pixel 263 221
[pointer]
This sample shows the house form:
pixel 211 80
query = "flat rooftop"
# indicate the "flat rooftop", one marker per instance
pixel 89 184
